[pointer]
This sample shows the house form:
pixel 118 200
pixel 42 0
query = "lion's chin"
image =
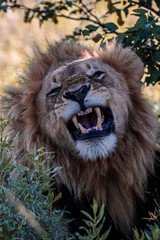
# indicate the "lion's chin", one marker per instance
pixel 90 150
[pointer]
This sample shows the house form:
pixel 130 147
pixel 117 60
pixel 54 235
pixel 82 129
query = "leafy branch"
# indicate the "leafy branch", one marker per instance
pixel 143 36
pixel 143 3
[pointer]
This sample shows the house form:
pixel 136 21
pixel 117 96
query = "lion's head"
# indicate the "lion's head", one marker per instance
pixel 83 97
pixel 87 106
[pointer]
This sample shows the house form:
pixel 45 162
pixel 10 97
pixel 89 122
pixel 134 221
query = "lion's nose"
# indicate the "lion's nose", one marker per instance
pixel 78 95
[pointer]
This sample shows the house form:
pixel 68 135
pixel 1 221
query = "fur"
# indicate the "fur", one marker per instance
pixel 98 149
pixel 114 173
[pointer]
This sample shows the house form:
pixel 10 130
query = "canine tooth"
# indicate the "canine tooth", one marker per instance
pixel 98 111
pixel 83 130
pixel 99 118
pixel 99 125
pixel 102 119
pixel 75 121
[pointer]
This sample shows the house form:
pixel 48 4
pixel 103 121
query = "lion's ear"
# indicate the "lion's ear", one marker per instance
pixel 124 60
pixel 57 74
pixel 88 68
pixel 91 71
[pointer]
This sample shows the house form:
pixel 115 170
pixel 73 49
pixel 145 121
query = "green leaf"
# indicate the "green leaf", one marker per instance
pixel 95 207
pixel 136 234
pixel 92 27
pixel 4 8
pixel 101 214
pixel 140 11
pixel 111 26
pixel 85 33
pixel 155 76
pixel 69 3
pixel 125 10
pixel 106 234
pixel 26 17
pixel 97 37
pixel 87 215
pixel 141 22
pixel 131 30
pixel 118 11
pixel 158 56
pixel 57 197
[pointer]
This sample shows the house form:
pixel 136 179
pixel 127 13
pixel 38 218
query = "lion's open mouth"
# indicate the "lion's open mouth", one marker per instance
pixel 91 123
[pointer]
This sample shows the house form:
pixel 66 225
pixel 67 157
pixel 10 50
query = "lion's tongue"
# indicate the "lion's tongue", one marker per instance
pixel 87 122
pixel 84 121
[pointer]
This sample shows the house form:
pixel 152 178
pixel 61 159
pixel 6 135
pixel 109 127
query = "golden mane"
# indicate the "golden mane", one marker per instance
pixel 121 179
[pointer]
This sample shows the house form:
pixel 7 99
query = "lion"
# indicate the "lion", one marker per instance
pixel 86 106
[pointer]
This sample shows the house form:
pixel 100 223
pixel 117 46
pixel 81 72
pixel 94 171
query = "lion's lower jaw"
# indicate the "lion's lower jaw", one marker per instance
pixel 99 148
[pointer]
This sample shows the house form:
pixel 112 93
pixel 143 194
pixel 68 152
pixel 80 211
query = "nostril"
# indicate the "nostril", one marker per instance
pixel 84 89
pixel 69 95
pixel 78 95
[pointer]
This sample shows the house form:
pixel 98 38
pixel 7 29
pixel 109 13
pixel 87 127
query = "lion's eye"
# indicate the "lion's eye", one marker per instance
pixel 98 75
pixel 53 92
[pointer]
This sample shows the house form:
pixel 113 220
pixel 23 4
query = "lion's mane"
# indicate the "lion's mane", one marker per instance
pixel 118 180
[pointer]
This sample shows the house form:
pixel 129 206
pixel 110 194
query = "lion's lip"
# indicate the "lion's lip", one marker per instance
pixel 91 123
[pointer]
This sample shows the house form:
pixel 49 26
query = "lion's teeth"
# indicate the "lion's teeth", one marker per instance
pixel 98 111
pixel 99 124
pixel 102 119
pixel 82 113
pixel 83 130
pixel 75 121
pixel 90 110
pixel 99 118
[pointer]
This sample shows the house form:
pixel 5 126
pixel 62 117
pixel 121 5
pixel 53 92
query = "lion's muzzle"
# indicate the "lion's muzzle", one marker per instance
pixel 78 95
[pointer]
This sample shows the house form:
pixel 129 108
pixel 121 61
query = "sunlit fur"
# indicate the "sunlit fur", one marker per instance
pixel 116 178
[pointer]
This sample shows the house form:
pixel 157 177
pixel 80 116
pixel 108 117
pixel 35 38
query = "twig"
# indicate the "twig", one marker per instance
pixel 145 5
pixel 77 19
pixel 90 12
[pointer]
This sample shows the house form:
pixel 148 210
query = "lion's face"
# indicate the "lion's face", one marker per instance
pixel 85 106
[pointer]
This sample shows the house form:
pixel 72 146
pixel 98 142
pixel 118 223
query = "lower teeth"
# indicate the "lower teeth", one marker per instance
pixel 93 128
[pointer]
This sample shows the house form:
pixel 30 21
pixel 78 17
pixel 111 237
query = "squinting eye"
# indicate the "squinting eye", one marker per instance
pixel 53 92
pixel 98 75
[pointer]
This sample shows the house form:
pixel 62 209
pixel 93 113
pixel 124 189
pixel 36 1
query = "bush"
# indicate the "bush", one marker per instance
pixel 27 199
